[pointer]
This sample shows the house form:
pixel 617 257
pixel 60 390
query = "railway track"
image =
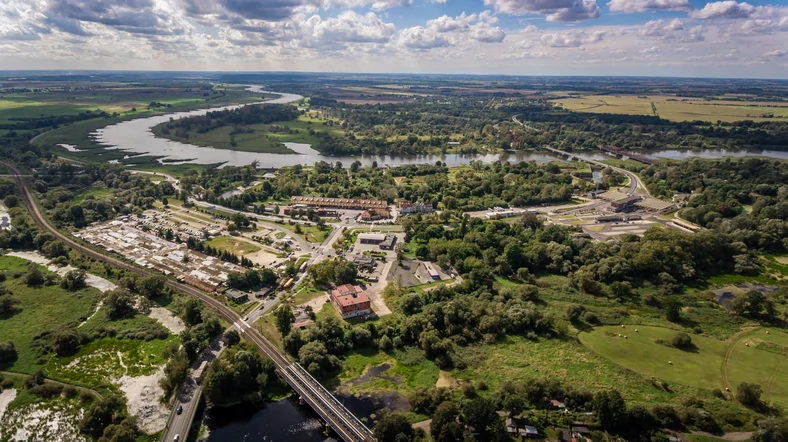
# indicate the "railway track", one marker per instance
pixel 342 421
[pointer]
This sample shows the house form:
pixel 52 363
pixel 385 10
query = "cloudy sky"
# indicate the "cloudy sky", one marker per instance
pixel 526 37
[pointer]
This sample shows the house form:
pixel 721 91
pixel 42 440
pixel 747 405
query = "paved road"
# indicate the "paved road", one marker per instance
pixel 344 423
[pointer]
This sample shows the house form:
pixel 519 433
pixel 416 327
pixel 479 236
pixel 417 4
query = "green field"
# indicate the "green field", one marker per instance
pixel 263 140
pixel 233 245
pixel 40 309
pixel 707 367
pixel 675 108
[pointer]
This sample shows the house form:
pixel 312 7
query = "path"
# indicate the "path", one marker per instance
pixel 735 339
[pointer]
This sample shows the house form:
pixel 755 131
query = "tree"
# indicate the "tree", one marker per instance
pixel 672 306
pixel 34 275
pixel 284 319
pixel 444 426
pixel 610 409
pixel 514 404
pixel 240 374
pixel 7 352
pixel 393 427
pixel 771 429
pixel 165 201
pixel 345 272
pixel 749 395
pixel 101 414
pixel 11 201
pixel 755 302
pixel 151 286
pixel 7 303
pixel 480 414
pixel 231 337
pixel 119 304
pixel 411 303
pixel 66 342
pixel 191 312
pixel 74 280
pixel 315 358
pixel 574 311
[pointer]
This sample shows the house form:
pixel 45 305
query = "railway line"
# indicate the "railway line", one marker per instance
pixel 342 421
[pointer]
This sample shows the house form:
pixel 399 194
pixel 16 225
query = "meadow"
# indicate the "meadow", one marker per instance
pixel 675 108
pixel 233 245
pixel 749 356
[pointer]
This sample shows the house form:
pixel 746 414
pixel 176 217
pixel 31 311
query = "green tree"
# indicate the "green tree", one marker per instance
pixel 444 426
pixel 514 404
pixel 749 394
pixel 284 319
pixel 73 280
pixel 151 286
pixel 7 303
pixel 393 427
pixel 672 306
pixel 231 337
pixel 610 409
pixel 682 341
pixel 771 429
pixel 34 275
pixel 480 413
pixel 118 304
pixel 7 352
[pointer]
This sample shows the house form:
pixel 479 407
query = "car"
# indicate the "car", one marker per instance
pixel 179 410
pixel 176 438
pixel 246 318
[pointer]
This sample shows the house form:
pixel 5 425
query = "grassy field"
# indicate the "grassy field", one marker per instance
pixel 310 233
pixel 262 140
pixel 761 362
pixel 233 245
pixel 677 108
pixel 40 309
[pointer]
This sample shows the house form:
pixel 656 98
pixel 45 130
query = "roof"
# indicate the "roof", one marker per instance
pixel 372 236
pixel 581 430
pixel 347 295
pixel 365 260
pixel 613 195
pixel 529 430
pixel 653 203
pixel 236 294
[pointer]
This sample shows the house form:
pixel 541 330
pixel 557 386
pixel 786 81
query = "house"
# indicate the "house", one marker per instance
pixel 511 426
pixel 557 405
pixel 406 208
pixel 529 431
pixel 565 435
pixel 388 243
pixel 364 262
pixel 581 431
pixel 371 238
pixel 350 301
pixel 375 214
pixel 236 296
pixel 263 292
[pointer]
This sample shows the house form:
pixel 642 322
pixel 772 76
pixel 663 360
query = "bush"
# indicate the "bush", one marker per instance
pixel 591 318
pixel 682 341
pixel 749 395
pixel 7 352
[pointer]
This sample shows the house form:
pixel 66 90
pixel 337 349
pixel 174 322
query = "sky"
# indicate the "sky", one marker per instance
pixel 688 38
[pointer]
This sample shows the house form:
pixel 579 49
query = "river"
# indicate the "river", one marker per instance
pixel 135 136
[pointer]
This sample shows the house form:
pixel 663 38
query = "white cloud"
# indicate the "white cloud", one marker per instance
pixel 571 39
pixel 672 30
pixel 554 10
pixel 724 9
pixel 648 5
pixel 419 37
pixel 777 53
pixel 485 33
pixel 476 26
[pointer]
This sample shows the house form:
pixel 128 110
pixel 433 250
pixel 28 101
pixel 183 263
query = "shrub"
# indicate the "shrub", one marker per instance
pixel 591 318
pixel 749 394
pixel 682 341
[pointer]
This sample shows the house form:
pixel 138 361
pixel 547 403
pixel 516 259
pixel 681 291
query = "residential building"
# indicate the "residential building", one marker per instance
pixel 406 208
pixel 350 301
pixel 375 214
pixel 371 238
pixel 338 203
pixel 237 296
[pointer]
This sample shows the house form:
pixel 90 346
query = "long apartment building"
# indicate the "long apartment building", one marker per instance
pixel 338 203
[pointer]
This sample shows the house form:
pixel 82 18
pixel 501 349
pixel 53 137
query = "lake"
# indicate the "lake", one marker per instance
pixel 135 136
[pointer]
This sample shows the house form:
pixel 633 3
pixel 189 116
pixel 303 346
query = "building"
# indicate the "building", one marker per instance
pixel 236 296
pixel 371 238
pixel 364 262
pixel 350 301
pixel 406 208
pixel 338 203
pixel 504 214
pixel 375 214
pixel 431 271
pixel 388 243
pixel 263 292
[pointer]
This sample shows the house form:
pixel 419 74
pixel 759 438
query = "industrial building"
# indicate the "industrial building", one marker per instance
pixel 350 301
pixel 338 203
pixel 406 208
pixel 621 202
pixel 431 271
pixel 371 238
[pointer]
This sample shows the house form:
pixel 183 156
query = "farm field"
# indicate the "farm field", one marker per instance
pixel 704 367
pixel 677 108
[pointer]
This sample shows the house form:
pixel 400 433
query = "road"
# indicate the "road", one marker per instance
pixel 635 185
pixel 344 423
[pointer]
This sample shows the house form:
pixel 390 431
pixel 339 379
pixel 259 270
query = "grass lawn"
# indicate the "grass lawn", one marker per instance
pixel 311 233
pixel 409 369
pixel 304 296
pixel 233 245
pixel 763 362
pixel 219 138
pixel 40 309
pixel 97 192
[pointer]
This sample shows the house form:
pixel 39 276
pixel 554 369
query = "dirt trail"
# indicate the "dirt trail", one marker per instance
pixel 735 339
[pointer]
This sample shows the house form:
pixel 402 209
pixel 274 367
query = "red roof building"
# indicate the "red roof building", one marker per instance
pixel 350 301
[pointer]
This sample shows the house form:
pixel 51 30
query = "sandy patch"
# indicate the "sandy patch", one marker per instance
pixel 55 421
pixel 91 280
pixel 167 319
pixel 6 397
pixel 317 303
pixel 781 259
pixel 446 381
pixel 143 394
